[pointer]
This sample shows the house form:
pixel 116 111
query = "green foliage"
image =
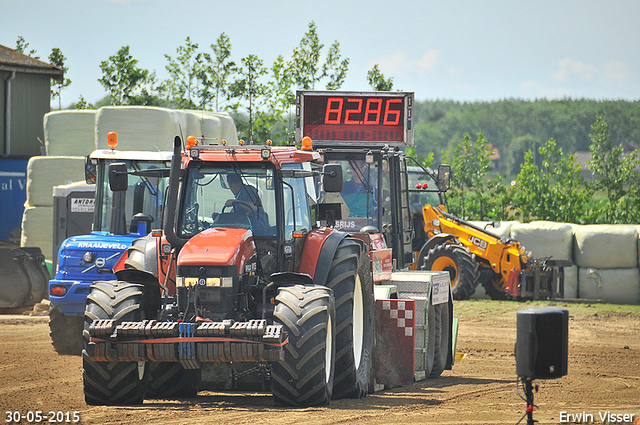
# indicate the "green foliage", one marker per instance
pixel 616 175
pixel 376 80
pixel 217 71
pixel 123 80
pixel 474 193
pixel 56 58
pixel 305 67
pixel 22 46
pixel 183 88
pixel 247 86
pixel 553 191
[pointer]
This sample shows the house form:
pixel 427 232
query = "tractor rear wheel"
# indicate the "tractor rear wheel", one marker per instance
pixel 65 332
pixel 461 265
pixel 168 380
pixel 305 377
pixel 351 281
pixel 113 383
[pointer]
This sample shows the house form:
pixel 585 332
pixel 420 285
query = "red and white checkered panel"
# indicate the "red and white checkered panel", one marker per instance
pixel 395 344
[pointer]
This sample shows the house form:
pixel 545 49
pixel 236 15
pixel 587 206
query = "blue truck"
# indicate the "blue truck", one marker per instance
pixel 118 220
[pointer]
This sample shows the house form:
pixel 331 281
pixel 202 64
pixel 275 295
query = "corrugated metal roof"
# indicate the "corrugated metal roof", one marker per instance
pixel 13 60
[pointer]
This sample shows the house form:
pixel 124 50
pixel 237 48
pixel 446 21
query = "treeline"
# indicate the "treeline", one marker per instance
pixel 515 126
pixel 549 184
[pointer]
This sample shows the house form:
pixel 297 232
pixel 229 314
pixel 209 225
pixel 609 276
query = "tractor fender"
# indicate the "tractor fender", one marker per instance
pixel 431 243
pixel 321 246
pixel 141 263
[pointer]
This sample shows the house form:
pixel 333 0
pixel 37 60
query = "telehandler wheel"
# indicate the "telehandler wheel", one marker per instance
pixel 493 288
pixel 350 279
pixel 113 383
pixel 65 332
pixel 168 380
pixel 461 265
pixel 305 377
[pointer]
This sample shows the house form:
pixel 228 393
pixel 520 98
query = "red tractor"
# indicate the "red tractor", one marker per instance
pixel 245 289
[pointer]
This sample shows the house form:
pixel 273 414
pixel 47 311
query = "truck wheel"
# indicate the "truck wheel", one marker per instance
pixel 350 279
pixel 461 265
pixel 171 380
pixel 65 332
pixel 113 383
pixel 305 377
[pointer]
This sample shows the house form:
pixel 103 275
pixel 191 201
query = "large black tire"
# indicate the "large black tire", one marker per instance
pixel 461 265
pixel 305 377
pixel 65 332
pixel 441 338
pixel 168 380
pixel 493 287
pixel 350 279
pixel 113 383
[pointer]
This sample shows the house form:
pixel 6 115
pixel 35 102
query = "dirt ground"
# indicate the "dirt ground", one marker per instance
pixel 603 376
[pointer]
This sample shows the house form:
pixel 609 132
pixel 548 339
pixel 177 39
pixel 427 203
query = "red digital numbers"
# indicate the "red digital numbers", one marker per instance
pixel 377 111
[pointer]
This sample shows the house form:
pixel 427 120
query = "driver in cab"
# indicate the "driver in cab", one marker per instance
pixel 246 201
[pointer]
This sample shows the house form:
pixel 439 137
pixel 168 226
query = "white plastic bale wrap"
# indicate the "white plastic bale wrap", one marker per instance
pixel 571 282
pixel 503 230
pixel 617 286
pixel 37 231
pixel 151 128
pixel 606 246
pixel 545 239
pixel 70 132
pixel 45 172
pixel 140 127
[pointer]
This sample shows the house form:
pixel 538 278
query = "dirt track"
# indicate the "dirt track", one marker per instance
pixel 604 375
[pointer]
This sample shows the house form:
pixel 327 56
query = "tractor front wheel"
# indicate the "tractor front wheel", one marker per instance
pixel 461 265
pixel 305 377
pixel 65 332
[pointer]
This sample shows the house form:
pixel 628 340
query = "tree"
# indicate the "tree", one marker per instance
pixel 305 66
pixel 56 58
pixel 271 124
pixel 217 71
pixel 474 193
pixel 376 80
pixel 121 77
pixel 22 46
pixel 248 87
pixel 184 86
pixel 616 173
pixel 553 191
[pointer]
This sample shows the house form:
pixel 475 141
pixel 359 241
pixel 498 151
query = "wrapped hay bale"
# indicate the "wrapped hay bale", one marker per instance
pixel 45 172
pixel 36 229
pixel 545 239
pixel 70 132
pixel 503 230
pixel 571 282
pixel 618 286
pixel 143 128
pixel 606 246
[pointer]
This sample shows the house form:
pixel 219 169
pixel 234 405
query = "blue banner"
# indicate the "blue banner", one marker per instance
pixel 13 194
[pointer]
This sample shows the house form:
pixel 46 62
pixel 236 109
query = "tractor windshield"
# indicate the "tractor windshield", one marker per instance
pixel 145 195
pixel 227 196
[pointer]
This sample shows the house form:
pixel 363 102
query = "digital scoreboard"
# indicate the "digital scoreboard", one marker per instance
pixel 338 118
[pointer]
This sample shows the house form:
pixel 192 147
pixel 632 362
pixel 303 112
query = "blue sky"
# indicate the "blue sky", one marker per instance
pixel 461 50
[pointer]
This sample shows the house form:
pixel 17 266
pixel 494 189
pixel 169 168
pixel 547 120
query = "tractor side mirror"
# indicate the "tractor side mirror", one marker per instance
pixel 444 177
pixel 90 170
pixel 332 177
pixel 118 178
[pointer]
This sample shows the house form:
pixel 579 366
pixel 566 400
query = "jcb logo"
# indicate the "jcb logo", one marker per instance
pixel 479 242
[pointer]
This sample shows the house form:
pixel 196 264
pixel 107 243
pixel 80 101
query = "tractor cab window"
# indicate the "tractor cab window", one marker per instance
pixel 296 203
pixel 144 195
pixel 228 196
pixel 359 194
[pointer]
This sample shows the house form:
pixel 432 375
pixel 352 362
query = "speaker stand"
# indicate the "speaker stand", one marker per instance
pixel 528 391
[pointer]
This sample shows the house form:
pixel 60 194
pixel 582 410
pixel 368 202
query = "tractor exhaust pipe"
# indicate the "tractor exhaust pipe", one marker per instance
pixel 170 209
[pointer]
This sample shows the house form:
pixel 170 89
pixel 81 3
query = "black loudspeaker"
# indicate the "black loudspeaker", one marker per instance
pixel 542 344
